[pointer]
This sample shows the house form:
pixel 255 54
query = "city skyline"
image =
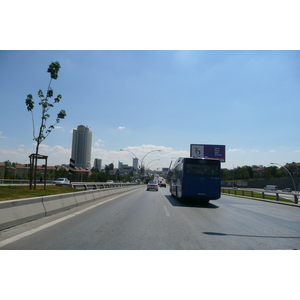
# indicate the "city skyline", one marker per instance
pixel 157 100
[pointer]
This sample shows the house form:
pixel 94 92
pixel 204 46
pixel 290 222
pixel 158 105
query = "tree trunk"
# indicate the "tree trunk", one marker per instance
pixel 35 164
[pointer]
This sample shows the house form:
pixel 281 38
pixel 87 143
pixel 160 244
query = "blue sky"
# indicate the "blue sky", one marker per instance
pixel 147 100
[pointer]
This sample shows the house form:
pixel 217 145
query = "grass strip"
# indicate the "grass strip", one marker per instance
pixel 255 195
pixel 13 192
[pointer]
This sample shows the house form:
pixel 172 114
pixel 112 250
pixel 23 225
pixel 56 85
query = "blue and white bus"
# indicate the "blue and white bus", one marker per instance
pixel 196 178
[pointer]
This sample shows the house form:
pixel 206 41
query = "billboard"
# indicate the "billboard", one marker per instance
pixel 208 151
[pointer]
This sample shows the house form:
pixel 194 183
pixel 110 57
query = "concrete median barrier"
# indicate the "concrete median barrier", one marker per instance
pixel 15 212
pixel 89 196
pixel 99 194
pixel 56 203
pixel 84 197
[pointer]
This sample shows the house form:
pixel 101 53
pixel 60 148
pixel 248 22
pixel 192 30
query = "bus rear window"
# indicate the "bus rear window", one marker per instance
pixel 202 167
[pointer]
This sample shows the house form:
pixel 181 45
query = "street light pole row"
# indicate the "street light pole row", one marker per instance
pixel 296 196
pixel 143 157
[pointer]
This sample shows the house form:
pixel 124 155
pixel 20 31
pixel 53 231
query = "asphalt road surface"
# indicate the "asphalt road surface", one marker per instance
pixel 154 220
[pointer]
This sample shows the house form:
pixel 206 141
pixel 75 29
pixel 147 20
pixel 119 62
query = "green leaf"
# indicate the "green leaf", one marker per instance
pixel 29 103
pixel 57 99
pixel 53 69
pixel 40 94
pixel 62 114
pixel 49 93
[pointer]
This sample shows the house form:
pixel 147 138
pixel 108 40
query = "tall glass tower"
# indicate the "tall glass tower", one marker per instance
pixel 135 163
pixel 82 147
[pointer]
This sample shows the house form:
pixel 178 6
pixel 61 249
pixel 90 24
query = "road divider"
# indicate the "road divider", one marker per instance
pixel 57 203
pixel 261 195
pixel 16 212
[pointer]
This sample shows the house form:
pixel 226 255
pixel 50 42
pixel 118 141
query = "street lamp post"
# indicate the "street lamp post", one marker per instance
pixel 152 166
pixel 151 162
pixel 130 152
pixel 146 155
pixel 296 196
pixel 138 158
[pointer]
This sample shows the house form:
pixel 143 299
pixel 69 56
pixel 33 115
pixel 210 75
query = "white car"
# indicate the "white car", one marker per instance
pixel 152 186
pixel 61 181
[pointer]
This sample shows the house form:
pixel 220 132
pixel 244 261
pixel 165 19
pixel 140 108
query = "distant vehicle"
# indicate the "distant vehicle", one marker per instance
pixel 61 181
pixel 110 181
pixel 196 178
pixel 162 185
pixel 271 187
pixel 152 186
pixel 287 190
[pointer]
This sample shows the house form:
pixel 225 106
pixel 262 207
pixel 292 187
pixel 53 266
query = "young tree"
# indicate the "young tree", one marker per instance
pixel 43 131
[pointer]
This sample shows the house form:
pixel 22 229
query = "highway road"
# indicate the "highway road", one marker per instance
pixel 154 220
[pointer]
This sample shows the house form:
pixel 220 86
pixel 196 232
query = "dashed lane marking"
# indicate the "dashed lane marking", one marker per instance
pixel 166 211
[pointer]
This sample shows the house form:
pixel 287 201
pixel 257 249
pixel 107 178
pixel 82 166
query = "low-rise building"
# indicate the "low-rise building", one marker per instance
pixel 2 170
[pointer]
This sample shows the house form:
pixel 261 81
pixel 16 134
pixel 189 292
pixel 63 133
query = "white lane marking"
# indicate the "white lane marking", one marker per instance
pixel 32 231
pixel 166 211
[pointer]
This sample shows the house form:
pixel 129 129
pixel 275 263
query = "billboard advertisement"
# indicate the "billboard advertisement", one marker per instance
pixel 208 151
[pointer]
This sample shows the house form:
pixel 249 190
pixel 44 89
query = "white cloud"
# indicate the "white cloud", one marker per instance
pixel 55 150
pixel 8 152
pixel 1 136
pixel 121 128
pixel 142 152
pixel 13 156
pixel 272 151
pixel 99 143
pixel 235 150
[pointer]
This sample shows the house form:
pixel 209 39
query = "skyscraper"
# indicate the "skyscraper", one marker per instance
pixel 135 163
pixel 82 147
pixel 98 164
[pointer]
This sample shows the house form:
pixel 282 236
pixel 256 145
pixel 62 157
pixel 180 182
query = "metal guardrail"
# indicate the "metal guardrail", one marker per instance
pixel 98 185
pixel 14 181
pixel 75 185
pixel 22 181
pixel 250 193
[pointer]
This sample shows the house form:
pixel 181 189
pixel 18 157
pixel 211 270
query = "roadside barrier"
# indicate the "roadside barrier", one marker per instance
pixel 98 185
pixel 259 194
pixel 57 203
pixel 16 212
